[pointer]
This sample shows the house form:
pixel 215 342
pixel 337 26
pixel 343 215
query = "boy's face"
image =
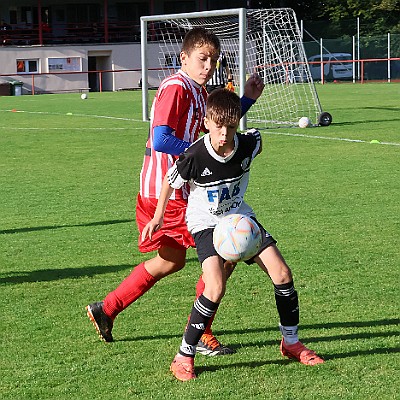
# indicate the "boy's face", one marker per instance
pixel 200 64
pixel 221 135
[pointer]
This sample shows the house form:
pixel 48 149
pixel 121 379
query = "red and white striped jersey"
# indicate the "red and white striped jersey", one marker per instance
pixel 179 103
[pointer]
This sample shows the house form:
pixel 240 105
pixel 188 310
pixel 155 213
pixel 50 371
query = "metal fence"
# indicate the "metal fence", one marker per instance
pixel 377 56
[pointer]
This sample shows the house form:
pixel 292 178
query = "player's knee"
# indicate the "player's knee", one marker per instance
pixel 160 267
pixel 178 266
pixel 172 267
pixel 215 292
pixel 172 260
pixel 285 276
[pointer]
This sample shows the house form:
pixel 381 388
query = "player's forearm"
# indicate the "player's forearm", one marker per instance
pixel 166 142
pixel 254 87
pixel 246 103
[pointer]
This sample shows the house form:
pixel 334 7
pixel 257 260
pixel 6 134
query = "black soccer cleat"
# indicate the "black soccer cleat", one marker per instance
pixel 210 346
pixel 102 322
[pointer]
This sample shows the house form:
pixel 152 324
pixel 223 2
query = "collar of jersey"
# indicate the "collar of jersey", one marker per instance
pixel 194 83
pixel 213 154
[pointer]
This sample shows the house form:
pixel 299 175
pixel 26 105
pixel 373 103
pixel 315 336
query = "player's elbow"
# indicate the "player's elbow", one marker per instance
pixel 159 143
pixel 161 136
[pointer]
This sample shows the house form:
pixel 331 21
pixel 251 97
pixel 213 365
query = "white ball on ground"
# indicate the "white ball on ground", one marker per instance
pixel 304 122
pixel 84 96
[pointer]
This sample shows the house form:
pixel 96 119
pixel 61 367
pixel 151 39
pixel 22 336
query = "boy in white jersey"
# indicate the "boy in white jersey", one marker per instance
pixel 226 156
pixel 177 118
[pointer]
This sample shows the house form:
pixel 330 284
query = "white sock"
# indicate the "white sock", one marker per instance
pixel 289 334
pixel 187 350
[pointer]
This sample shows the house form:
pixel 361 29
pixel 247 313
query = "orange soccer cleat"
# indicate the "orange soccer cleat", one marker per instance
pixel 210 346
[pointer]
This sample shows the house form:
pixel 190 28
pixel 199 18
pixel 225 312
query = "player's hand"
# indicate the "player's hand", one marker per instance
pixel 254 87
pixel 153 226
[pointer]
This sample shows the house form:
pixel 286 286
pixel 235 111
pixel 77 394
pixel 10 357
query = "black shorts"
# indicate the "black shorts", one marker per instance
pixel 205 247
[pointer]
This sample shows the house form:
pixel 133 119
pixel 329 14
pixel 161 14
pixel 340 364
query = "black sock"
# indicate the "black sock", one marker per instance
pixel 203 309
pixel 287 304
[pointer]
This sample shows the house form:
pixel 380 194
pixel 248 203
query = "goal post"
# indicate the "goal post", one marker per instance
pixel 266 41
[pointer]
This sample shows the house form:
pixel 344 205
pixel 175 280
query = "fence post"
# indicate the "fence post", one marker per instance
pixel 321 50
pixel 362 71
pixel 389 77
pixel 354 56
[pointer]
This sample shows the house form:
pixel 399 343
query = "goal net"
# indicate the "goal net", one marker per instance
pixel 266 41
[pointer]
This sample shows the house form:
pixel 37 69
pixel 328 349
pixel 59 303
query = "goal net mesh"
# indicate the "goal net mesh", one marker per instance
pixel 274 50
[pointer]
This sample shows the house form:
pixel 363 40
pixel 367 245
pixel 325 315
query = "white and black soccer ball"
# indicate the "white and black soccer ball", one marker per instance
pixel 237 238
pixel 305 122
pixel 84 96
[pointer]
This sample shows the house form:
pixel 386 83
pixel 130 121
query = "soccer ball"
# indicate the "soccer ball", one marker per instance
pixel 83 96
pixel 304 122
pixel 237 238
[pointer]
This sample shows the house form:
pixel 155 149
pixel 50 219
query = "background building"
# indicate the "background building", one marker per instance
pixel 72 45
pixel 55 45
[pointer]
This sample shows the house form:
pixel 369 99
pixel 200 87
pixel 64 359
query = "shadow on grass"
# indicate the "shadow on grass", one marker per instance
pixel 367 121
pixel 396 109
pixel 325 326
pixel 54 274
pixel 44 228
pixel 254 364
pixel 341 338
pixel 330 325
pixel 332 356
pixel 46 275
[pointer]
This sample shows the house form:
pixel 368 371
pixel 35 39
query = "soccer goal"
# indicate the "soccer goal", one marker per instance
pixel 266 41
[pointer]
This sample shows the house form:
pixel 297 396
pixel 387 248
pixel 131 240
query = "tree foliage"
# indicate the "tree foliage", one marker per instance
pixel 377 17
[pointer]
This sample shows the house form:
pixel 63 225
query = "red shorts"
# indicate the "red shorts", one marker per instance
pixel 174 232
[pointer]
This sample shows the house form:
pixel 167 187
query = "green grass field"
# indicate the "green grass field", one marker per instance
pixel 69 175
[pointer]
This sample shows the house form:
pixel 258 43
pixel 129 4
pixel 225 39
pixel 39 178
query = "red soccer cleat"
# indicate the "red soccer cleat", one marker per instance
pixel 301 353
pixel 183 368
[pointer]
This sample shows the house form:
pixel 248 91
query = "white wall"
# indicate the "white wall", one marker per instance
pixel 113 57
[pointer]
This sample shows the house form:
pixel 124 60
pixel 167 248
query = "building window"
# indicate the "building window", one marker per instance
pixel 64 64
pixel 27 66
pixel 13 17
pixel 83 13
pixel 131 12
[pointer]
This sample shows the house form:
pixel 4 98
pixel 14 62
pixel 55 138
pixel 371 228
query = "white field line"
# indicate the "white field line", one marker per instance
pixel 73 114
pixel 136 120
pixel 87 128
pixel 327 138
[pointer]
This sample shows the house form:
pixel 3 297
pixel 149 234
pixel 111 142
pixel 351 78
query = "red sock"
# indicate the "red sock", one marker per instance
pixel 131 288
pixel 200 287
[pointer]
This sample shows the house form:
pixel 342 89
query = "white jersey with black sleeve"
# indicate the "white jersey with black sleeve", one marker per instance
pixel 217 184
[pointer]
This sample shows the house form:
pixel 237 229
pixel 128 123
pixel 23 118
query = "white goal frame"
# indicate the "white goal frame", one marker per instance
pixel 260 45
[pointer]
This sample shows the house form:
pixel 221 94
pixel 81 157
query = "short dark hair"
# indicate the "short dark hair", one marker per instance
pixel 198 37
pixel 223 107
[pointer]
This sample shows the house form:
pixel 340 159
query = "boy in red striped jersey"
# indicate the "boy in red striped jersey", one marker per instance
pixel 177 118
